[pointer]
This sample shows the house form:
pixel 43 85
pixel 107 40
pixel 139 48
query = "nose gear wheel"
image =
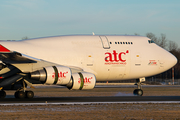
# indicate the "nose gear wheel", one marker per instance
pixel 138 92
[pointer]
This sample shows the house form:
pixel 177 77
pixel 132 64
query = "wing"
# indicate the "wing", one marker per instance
pixel 15 57
pixel 11 57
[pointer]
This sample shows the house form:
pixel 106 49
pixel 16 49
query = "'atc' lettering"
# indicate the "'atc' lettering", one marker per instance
pixel 86 80
pixel 60 75
pixel 115 57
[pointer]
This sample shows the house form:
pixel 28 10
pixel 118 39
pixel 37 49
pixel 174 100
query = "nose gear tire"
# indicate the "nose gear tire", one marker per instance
pixel 138 92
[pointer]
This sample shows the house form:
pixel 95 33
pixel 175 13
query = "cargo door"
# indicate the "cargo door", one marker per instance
pixel 105 42
pixel 116 72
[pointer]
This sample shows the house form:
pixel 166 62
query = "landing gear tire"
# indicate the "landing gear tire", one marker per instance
pixel 2 94
pixel 29 94
pixel 138 92
pixel 15 94
pixel 20 94
pixel 135 92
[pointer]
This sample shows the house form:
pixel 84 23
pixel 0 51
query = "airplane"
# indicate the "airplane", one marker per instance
pixel 79 61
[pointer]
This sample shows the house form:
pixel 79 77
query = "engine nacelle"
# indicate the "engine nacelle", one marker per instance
pixel 59 75
pixel 81 81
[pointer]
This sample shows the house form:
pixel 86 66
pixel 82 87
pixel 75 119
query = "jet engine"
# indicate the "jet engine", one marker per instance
pixel 59 75
pixel 81 81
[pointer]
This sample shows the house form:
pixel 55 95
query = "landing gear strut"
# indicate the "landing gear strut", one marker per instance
pixel 139 91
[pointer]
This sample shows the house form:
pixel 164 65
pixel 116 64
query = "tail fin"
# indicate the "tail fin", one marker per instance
pixel 3 49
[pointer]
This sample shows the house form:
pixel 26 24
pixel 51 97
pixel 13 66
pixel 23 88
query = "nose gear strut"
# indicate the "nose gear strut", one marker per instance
pixel 139 91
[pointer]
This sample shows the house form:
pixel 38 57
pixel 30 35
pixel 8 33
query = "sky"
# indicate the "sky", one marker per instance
pixel 41 18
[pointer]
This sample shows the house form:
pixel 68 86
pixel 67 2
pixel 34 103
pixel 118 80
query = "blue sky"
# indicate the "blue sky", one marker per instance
pixel 40 18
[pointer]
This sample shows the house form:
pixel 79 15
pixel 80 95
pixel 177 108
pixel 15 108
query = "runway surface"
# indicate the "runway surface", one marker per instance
pixel 111 94
pixel 92 99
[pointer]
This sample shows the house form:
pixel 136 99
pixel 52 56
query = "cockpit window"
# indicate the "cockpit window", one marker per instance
pixel 151 41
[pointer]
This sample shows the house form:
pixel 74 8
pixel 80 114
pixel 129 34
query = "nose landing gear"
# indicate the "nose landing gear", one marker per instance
pixel 139 91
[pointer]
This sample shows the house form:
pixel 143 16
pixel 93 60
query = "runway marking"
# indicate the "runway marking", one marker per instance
pixel 90 103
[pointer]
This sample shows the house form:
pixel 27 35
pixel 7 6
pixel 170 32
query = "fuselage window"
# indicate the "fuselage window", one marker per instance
pixel 151 41
pixel 125 42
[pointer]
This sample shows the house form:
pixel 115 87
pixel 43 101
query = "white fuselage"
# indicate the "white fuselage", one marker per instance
pixel 107 57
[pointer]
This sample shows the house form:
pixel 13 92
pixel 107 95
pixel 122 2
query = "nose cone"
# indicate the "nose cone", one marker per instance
pixel 170 61
pixel 174 60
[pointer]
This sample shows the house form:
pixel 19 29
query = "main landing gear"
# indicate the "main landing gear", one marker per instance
pixel 18 94
pixel 2 94
pixel 22 93
pixel 139 91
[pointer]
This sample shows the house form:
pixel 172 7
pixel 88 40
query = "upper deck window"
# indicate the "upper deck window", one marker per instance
pixel 151 41
pixel 127 43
